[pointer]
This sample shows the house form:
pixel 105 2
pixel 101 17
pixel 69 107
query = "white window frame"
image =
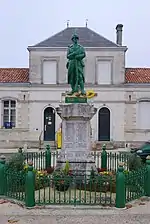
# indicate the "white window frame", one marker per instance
pixel 9 108
pixel 139 120
pixel 103 59
pixel 43 59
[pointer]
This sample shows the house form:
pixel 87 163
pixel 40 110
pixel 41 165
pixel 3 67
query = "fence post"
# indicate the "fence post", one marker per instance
pixel 104 158
pixel 48 157
pixel 30 186
pixel 2 175
pixel 147 179
pixel 120 187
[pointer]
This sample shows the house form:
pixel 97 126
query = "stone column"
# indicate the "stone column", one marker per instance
pixel 76 138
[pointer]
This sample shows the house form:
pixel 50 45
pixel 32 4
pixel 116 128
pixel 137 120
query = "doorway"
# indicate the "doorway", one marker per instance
pixel 49 124
pixel 104 124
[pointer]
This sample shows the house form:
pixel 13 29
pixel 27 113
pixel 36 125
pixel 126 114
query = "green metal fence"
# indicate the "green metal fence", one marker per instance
pixel 135 184
pixel 114 187
pixel 112 159
pixel 14 185
pixel 79 190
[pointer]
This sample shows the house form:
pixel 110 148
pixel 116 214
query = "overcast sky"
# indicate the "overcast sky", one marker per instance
pixel 26 22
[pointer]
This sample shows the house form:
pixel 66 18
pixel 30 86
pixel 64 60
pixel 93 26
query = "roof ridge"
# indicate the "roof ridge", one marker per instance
pixel 89 39
pixel 102 36
pixel 51 36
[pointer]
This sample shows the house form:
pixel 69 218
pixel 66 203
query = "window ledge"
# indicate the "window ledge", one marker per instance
pixel 140 130
pixel 14 129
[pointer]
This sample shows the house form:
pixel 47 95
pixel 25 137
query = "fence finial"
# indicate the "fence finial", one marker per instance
pixel 121 164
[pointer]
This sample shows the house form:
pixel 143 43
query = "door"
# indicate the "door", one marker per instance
pixel 49 124
pixel 104 124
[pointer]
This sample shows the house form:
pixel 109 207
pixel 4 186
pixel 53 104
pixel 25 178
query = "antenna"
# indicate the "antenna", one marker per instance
pixel 68 23
pixel 86 22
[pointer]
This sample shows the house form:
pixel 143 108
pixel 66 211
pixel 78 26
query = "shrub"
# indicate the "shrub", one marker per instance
pixel 67 167
pixel 62 178
pixel 41 179
pixel 135 162
pixel 16 162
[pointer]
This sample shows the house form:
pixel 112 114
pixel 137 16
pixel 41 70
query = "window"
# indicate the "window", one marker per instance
pixel 143 118
pixel 49 72
pixel 103 72
pixel 9 113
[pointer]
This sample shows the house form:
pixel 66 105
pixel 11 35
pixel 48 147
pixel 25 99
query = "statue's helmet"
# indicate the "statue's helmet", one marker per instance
pixel 75 36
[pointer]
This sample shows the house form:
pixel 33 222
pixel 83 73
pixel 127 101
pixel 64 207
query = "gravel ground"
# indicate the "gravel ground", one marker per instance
pixel 139 213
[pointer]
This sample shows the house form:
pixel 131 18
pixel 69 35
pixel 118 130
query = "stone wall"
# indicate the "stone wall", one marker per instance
pixel 14 138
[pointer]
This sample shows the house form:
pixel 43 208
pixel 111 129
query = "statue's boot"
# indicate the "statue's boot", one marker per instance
pixel 82 89
pixel 72 91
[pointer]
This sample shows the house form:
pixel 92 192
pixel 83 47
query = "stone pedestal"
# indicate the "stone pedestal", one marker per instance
pixel 76 136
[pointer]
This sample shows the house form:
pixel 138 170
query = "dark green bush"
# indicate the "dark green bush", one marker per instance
pixel 135 162
pixel 16 162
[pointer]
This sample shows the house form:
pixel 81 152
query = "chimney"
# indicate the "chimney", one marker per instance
pixel 119 34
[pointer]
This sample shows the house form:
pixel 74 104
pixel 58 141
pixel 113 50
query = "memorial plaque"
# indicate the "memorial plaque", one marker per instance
pixel 81 135
pixel 75 99
pixel 69 133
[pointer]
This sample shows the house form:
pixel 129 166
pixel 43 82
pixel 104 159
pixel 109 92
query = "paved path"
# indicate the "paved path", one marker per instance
pixel 10 213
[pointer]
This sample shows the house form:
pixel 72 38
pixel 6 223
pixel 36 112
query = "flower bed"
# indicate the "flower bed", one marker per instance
pixel 103 182
pixel 62 178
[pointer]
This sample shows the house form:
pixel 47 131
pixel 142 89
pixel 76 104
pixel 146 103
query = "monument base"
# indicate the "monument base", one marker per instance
pixel 76 137
pixel 78 167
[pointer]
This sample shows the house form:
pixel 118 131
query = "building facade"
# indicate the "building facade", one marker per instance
pixel 29 96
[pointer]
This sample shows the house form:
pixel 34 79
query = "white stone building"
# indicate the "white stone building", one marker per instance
pixel 29 96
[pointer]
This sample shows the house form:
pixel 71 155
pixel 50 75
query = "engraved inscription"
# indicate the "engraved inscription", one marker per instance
pixel 69 154
pixel 81 129
pixel 80 154
pixel 69 132
pixel 84 110
pixel 81 137
pixel 68 145
pixel 82 145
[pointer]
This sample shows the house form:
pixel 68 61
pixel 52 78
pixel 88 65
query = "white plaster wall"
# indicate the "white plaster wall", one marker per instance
pixel 133 131
pixel 112 98
pixel 123 114
pixel 116 121
pixel 118 67
pixel 37 116
pixel 38 98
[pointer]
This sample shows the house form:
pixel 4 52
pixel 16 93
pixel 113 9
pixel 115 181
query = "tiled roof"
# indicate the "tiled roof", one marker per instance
pixel 14 75
pixel 21 75
pixel 87 38
pixel 137 75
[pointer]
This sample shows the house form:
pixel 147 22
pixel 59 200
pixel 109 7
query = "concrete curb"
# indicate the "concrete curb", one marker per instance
pixel 58 207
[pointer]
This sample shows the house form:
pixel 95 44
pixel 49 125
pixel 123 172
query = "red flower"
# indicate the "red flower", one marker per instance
pixel 70 172
pixel 50 170
pixel 62 181
pixel 101 170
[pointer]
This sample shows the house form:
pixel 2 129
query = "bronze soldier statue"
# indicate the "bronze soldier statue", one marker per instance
pixel 75 66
